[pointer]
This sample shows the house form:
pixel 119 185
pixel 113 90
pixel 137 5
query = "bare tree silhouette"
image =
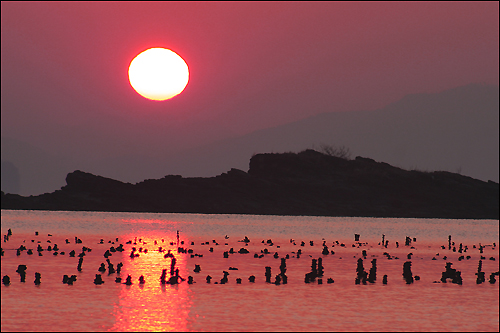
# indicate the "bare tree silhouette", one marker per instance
pixel 331 150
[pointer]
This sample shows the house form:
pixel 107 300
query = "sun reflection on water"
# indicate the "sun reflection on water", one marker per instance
pixel 152 306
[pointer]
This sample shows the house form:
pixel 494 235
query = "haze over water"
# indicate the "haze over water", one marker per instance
pixel 260 306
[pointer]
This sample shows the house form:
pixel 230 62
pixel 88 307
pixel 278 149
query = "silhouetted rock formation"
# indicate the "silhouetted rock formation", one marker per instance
pixel 69 279
pixel 80 262
pixel 361 275
pixel 6 280
pixel 313 274
pixel 407 274
pixel 224 280
pixel 492 277
pixel 38 277
pixel 172 266
pixel 98 279
pixel 480 274
pixel 451 273
pixel 111 268
pixel 21 269
pixel 163 277
pixel 283 277
pixel 306 183
pixel 372 277
pixel 268 274
pixel 320 267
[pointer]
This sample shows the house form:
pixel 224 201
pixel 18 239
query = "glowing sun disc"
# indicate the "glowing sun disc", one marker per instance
pixel 158 74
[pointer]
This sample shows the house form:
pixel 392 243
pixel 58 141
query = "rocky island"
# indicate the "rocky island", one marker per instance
pixel 306 183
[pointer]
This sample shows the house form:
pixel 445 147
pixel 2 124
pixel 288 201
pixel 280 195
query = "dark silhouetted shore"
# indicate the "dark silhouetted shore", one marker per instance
pixel 305 183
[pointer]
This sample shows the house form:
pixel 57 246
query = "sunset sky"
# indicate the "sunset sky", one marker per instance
pixel 253 65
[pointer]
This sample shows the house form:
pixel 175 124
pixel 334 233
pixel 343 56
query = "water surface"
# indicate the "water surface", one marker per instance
pixel 260 306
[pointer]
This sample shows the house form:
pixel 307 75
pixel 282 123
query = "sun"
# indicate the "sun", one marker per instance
pixel 158 74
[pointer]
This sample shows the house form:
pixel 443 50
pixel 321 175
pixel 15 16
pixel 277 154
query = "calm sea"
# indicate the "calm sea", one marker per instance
pixel 425 305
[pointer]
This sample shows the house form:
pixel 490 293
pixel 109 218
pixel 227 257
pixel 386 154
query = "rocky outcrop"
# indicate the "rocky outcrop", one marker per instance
pixel 306 183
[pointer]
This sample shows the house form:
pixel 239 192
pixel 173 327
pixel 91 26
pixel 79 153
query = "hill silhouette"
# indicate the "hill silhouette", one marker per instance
pixel 305 183
pixel 456 130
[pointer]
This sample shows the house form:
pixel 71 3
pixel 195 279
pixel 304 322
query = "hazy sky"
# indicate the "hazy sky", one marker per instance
pixel 253 65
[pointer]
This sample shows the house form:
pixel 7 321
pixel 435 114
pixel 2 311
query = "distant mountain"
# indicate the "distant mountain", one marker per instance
pixel 28 170
pixel 456 130
pixel 10 178
pixel 307 183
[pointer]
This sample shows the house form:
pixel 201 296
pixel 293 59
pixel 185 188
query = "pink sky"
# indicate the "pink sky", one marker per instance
pixel 253 65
